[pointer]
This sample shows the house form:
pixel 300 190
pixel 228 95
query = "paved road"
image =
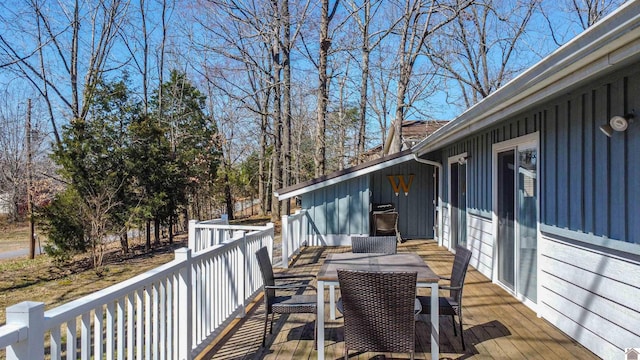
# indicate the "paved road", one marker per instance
pixel 16 253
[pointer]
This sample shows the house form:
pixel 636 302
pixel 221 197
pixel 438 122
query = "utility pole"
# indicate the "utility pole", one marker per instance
pixel 32 237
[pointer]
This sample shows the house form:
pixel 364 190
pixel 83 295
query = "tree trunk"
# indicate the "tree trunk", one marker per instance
pixel 286 113
pixel 262 171
pixel 156 231
pixel 32 228
pixel 147 244
pixel 276 175
pixel 185 219
pixel 228 199
pixel 396 142
pixel 325 43
pixel 124 242
pixel 362 121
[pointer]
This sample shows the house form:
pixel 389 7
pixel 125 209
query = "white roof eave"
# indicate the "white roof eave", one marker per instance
pixel 345 177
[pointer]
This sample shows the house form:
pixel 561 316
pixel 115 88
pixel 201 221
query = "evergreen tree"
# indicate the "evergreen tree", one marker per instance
pixel 93 158
pixel 194 149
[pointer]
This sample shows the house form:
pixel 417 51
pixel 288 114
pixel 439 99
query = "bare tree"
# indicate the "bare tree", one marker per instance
pixel 381 99
pixel 284 24
pixel 478 50
pixel 15 151
pixel 421 19
pixel 342 123
pixel 323 86
pixel 566 18
pixel 66 53
pixel 97 209
pixel 589 12
pixel 303 137
pixel 364 13
pixel 242 42
pixel 253 41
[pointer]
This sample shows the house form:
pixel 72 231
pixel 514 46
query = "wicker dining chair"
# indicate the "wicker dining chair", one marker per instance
pixel 378 309
pixel 374 244
pixel 284 304
pixel 452 304
pixel 385 223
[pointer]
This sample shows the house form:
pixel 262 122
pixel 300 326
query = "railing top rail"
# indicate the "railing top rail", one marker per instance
pixel 84 304
pixel 231 227
pixel 216 249
pixel 238 236
pixel 214 221
pixel 298 214
pixel 11 334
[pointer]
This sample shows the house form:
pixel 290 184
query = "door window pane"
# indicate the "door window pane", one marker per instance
pixel 462 205
pixel 506 218
pixel 527 223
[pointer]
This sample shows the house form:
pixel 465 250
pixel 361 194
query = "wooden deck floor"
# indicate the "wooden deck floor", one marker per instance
pixel 496 325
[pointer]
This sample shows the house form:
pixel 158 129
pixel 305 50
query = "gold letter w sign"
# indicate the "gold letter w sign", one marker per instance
pixel 400 183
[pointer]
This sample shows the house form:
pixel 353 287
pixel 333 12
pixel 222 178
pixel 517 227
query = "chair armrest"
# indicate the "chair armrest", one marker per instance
pixel 451 287
pixel 289 287
pixel 294 276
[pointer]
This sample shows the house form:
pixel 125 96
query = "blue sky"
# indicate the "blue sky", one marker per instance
pixel 16 25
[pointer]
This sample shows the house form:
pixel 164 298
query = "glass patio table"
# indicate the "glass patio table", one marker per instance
pixel 402 262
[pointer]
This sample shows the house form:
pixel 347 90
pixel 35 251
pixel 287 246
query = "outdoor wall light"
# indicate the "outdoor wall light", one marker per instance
pixel 606 129
pixel 617 123
pixel 463 159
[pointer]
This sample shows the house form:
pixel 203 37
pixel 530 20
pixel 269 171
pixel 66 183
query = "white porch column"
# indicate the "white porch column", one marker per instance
pixel 192 235
pixel 31 345
pixel 243 269
pixel 185 307
pixel 285 241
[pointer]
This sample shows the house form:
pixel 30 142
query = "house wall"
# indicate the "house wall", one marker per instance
pixel 480 237
pixel 415 209
pixel 338 211
pixel 589 201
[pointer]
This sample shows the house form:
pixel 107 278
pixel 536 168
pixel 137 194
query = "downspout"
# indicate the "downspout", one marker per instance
pixel 440 189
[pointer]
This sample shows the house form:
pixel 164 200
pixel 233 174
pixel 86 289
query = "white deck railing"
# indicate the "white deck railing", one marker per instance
pixel 170 312
pixel 294 235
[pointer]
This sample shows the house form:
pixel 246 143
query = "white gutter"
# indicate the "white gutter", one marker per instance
pixel 440 187
pixel 602 47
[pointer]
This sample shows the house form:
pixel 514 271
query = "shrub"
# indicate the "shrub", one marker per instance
pixel 62 222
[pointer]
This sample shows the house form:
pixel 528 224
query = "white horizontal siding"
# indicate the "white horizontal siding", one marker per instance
pixel 480 242
pixel 332 239
pixel 446 228
pixel 592 296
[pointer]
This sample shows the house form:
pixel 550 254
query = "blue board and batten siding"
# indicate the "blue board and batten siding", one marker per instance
pixel 589 204
pixel 590 216
pixel 415 209
pixel 478 148
pixel 337 211
pixel 592 182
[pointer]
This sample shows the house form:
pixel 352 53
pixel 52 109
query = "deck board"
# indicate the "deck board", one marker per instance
pixel 496 325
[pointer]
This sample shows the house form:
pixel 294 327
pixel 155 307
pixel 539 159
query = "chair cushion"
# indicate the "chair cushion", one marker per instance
pixel 446 305
pixel 295 304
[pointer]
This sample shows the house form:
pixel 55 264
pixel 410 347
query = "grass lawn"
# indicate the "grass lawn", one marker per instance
pixel 42 280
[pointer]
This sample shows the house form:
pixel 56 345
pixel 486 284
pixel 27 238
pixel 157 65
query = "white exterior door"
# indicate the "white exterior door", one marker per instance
pixel 516 216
